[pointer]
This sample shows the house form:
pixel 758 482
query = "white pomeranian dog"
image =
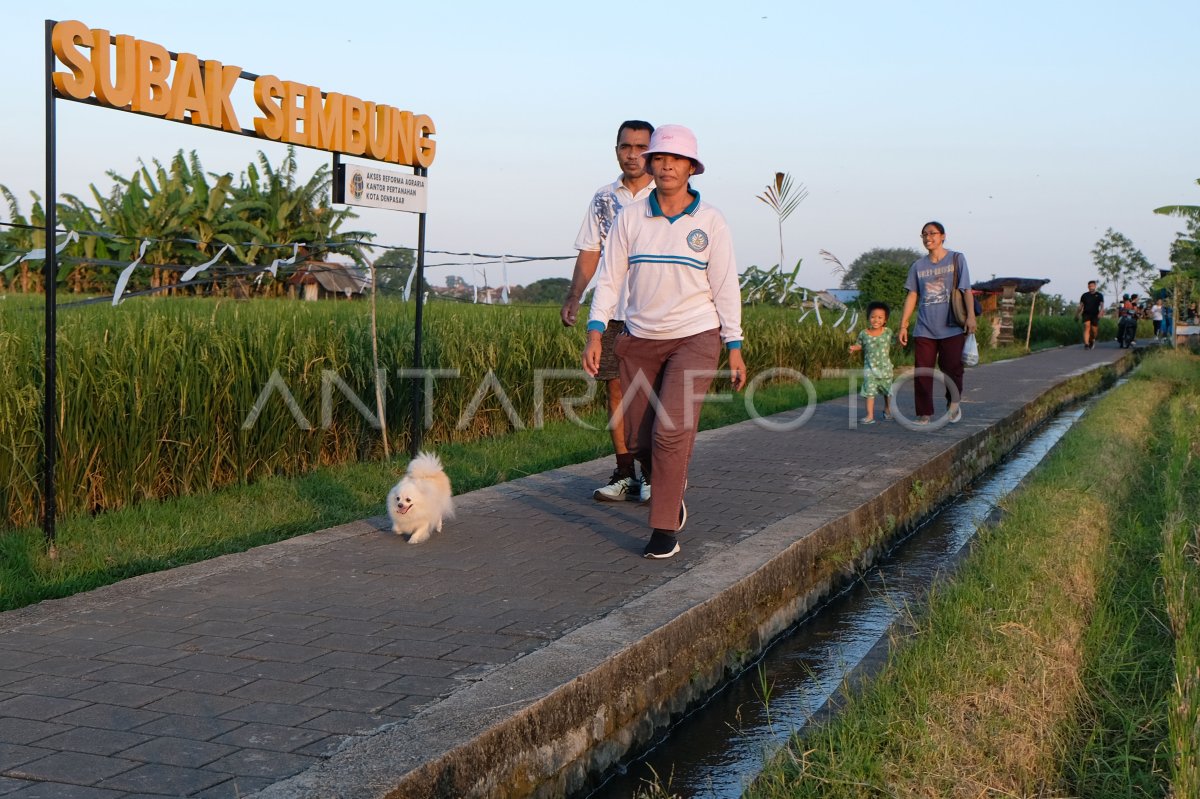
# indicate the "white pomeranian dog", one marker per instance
pixel 422 499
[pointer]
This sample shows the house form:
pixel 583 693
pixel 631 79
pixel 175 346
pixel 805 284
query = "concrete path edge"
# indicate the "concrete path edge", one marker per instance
pixel 549 723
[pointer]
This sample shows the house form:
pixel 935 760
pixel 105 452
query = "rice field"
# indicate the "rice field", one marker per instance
pixel 177 396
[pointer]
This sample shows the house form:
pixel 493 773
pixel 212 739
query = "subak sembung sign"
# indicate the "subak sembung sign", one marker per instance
pixel 131 74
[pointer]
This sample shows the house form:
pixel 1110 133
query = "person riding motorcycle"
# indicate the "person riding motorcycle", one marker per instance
pixel 1127 321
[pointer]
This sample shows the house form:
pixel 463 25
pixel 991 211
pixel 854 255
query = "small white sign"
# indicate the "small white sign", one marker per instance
pixel 378 188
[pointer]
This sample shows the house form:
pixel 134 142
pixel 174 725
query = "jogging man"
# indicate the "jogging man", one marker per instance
pixel 633 138
pixel 1091 306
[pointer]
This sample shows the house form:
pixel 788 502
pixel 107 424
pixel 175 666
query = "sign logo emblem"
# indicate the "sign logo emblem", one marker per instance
pixel 356 185
pixel 697 240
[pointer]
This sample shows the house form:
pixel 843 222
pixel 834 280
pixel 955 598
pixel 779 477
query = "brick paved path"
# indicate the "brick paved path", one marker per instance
pixel 225 677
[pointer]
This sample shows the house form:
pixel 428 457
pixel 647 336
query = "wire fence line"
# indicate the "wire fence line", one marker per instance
pixel 306 256
pixel 773 286
pixel 490 258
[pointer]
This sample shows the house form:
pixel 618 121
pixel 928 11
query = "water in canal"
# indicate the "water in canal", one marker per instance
pixel 717 749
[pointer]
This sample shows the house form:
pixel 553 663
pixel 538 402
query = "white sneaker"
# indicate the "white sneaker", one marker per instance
pixel 644 490
pixel 618 489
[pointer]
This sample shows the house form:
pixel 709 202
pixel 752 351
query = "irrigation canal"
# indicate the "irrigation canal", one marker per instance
pixel 716 750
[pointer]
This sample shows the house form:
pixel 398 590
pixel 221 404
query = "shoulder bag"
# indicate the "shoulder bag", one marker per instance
pixel 958 301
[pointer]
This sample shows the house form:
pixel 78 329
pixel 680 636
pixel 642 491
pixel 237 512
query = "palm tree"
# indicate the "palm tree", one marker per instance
pixel 783 200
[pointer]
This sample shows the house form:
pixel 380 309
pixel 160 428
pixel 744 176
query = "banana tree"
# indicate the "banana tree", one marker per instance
pixel 1185 250
pixel 275 208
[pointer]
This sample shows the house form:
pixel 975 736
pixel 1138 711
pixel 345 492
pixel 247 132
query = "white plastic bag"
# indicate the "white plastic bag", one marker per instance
pixel 970 351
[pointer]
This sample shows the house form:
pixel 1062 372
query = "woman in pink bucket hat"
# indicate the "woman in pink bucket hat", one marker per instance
pixel 676 253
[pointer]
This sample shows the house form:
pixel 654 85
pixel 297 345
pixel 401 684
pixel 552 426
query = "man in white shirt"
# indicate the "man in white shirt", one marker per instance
pixel 633 137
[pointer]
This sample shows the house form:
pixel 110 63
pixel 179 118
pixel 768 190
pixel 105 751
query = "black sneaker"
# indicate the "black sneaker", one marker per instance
pixel 661 546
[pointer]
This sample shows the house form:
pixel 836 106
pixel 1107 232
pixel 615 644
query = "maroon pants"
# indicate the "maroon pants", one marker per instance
pixel 947 354
pixel 664 383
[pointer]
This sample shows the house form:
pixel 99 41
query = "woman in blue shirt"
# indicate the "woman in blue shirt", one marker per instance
pixel 938 339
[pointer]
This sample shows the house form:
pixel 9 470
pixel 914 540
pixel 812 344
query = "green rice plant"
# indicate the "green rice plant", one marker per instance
pixel 163 398
pixel 777 339
pixel 1067 330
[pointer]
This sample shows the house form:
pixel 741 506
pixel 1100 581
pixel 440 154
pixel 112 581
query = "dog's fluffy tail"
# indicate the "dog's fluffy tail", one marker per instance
pixel 425 465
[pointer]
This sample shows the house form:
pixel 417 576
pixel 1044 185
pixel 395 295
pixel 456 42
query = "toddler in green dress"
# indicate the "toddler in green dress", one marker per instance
pixel 876 343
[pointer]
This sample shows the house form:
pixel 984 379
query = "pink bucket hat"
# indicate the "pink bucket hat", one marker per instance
pixel 674 140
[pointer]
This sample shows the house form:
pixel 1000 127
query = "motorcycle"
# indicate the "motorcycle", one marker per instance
pixel 1126 329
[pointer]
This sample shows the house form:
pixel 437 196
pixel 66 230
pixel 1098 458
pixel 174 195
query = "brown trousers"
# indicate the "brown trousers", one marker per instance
pixel 664 383
pixel 947 354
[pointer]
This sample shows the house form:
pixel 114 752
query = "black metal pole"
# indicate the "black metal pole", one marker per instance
pixel 50 277
pixel 418 385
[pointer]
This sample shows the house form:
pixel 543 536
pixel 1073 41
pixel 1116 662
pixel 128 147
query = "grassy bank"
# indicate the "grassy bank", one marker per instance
pixel 1061 660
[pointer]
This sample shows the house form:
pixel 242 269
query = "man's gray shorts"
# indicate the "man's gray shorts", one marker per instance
pixel 608 357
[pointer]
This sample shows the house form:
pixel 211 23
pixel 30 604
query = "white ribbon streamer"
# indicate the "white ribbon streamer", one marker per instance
pixel 278 262
pixel 127 272
pixel 788 288
pixel 195 270
pixel 474 280
pixel 408 284
pixel 40 253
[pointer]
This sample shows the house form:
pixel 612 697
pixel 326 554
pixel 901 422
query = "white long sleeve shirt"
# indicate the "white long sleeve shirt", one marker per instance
pixel 606 203
pixel 681 272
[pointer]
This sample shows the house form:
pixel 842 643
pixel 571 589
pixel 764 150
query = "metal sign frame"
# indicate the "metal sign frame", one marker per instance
pixel 50 278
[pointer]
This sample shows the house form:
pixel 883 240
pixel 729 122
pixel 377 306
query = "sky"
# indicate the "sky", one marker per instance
pixel 1027 128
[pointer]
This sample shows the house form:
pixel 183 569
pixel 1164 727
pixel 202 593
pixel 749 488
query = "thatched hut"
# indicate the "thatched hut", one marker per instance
pixel 1000 294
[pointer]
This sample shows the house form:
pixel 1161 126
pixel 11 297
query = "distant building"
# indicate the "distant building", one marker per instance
pixel 322 280
pixel 843 296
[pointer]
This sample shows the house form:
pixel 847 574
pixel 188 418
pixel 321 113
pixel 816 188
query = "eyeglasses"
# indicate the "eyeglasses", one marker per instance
pixel 925 234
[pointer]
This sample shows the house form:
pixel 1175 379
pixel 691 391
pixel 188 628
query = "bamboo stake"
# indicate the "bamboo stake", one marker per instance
pixel 1029 330
pixel 378 372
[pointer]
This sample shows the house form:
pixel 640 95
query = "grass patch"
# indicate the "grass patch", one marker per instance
pixel 1045 667
pixel 1121 744
pixel 152 536
pixel 1181 588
